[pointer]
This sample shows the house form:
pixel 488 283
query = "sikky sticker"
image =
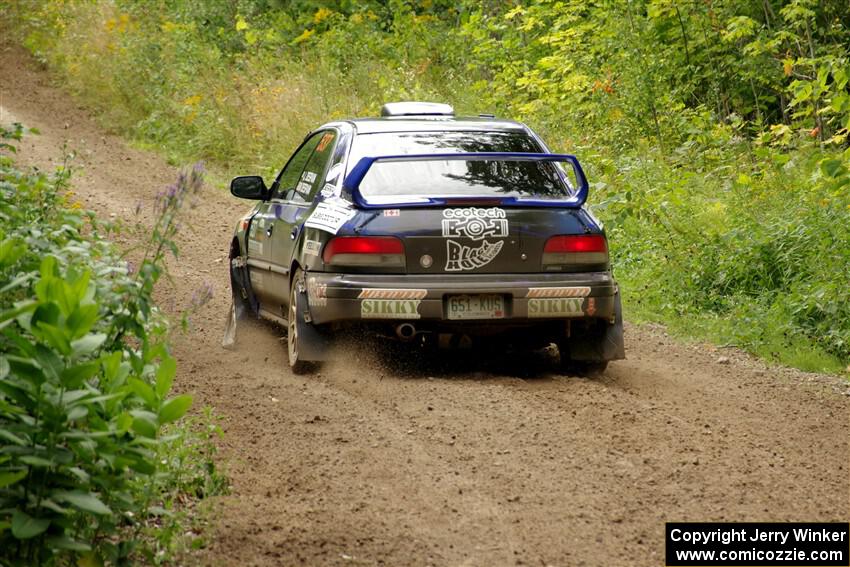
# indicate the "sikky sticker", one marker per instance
pixel 555 307
pixel 390 309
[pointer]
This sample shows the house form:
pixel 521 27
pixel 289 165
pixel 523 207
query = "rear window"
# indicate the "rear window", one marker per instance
pixel 447 178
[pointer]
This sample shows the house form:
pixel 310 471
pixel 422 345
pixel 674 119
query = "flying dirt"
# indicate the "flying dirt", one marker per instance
pixel 386 457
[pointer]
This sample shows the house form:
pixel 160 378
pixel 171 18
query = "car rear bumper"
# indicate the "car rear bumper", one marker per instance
pixel 528 298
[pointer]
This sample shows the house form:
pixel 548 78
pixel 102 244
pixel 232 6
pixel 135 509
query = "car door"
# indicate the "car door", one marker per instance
pixel 267 276
pixel 292 197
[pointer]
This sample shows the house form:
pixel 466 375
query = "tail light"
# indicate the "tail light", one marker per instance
pixel 576 249
pixel 383 251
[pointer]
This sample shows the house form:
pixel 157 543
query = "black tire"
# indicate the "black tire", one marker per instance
pixel 296 321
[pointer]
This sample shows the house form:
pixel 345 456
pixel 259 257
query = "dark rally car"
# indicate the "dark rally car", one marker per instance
pixel 431 228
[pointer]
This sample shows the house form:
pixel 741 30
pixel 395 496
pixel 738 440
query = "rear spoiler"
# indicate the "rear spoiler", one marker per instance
pixel 355 177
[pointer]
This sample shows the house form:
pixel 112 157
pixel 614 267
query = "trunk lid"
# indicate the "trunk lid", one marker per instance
pixel 476 239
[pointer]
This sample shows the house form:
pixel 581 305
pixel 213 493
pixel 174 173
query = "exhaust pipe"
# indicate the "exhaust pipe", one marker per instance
pixel 405 331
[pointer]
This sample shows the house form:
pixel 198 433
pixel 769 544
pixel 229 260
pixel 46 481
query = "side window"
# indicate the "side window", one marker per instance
pixel 291 174
pixel 313 176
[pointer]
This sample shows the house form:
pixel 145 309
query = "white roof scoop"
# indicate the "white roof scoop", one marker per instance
pixel 417 109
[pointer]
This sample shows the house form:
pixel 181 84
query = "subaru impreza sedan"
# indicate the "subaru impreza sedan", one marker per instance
pixel 431 229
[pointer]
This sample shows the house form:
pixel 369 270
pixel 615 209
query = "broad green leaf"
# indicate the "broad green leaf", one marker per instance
pixel 88 343
pixel 144 391
pixel 175 408
pixel 165 376
pixel 54 507
pixel 73 376
pixel 4 367
pixel 85 501
pixel 34 461
pixel 77 412
pixel 30 374
pixel 81 320
pixel 79 473
pixel 25 526
pixel 10 478
pixel 7 317
pixel 71 396
pixel 49 362
pixel 16 394
pixel 65 542
pixel 832 167
pixel 52 335
pixel 124 422
pixel 9 436
pixel 144 423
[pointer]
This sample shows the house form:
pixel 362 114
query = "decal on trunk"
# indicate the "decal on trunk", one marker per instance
pixel 475 223
pixel 390 309
pixel 312 247
pixel 461 258
pixel 330 215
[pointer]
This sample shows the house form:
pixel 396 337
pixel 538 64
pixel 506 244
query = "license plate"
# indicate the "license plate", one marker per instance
pixel 475 306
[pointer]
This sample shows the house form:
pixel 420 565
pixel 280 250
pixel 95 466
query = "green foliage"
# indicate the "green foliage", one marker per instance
pixel 715 131
pixel 760 244
pixel 86 420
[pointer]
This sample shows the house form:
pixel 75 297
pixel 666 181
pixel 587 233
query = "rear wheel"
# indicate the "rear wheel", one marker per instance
pixel 296 326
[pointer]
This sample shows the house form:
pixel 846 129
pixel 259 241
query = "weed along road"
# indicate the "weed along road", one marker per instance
pixel 381 459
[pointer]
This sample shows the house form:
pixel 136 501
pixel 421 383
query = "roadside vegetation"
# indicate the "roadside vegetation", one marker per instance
pixel 715 133
pixel 96 464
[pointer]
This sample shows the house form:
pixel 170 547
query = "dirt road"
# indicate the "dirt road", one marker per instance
pixel 463 462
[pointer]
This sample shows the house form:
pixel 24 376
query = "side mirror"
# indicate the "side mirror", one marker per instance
pixel 249 187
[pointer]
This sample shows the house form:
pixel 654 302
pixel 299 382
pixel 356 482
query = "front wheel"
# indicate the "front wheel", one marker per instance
pixel 295 328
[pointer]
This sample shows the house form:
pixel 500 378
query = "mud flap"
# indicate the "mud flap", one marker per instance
pixel 239 307
pixel 610 346
pixel 313 344
pixel 229 339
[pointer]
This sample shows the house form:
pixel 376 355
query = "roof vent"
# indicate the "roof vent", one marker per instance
pixel 417 109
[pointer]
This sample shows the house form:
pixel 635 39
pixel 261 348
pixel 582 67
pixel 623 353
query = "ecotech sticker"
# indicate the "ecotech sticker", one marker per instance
pixel 476 224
